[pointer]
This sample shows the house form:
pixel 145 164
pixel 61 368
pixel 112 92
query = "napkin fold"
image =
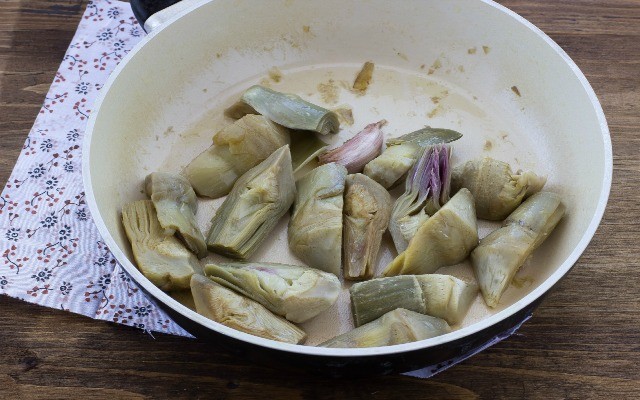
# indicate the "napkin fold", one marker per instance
pixel 52 253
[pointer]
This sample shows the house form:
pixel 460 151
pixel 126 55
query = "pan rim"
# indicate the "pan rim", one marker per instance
pixel 468 331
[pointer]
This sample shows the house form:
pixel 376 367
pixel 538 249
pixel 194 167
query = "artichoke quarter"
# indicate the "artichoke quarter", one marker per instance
pixel 390 167
pixel 288 110
pixel 296 293
pixel 372 299
pixel 446 238
pixel 175 204
pixel 499 255
pixel 426 190
pixel 315 227
pixel 257 201
pixel 447 297
pixel 367 207
pixel 235 311
pixel 496 189
pixel 160 257
pixel 395 327
pixel 236 149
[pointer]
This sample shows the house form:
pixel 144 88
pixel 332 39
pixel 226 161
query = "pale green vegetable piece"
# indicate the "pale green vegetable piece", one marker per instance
pixel 426 190
pixel 288 110
pixel 409 224
pixel 447 297
pixel 175 204
pixel 236 149
pixel 257 201
pixel 315 227
pixel 496 189
pixel 540 213
pixel 395 327
pixel 372 299
pixel 393 164
pixel 427 136
pixel 390 167
pixel 235 311
pixel 297 293
pixel 446 238
pixel 305 147
pixel 367 207
pixel 160 257
pixel 501 254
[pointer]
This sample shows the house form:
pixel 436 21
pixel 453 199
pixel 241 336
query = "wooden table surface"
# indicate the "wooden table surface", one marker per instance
pixel 582 342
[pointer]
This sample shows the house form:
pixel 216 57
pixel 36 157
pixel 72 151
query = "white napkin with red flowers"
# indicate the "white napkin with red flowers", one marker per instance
pixel 52 253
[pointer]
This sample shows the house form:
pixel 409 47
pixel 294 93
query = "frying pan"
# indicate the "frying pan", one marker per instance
pixel 469 65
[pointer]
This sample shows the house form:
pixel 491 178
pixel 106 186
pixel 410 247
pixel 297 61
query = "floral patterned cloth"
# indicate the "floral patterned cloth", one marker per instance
pixel 52 253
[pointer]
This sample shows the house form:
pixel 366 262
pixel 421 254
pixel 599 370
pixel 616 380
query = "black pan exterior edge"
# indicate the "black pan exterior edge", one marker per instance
pixel 143 9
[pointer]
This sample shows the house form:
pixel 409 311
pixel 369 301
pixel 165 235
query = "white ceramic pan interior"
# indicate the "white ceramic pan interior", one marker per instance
pixel 468 65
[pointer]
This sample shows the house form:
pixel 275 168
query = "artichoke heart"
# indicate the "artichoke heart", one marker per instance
pixel 447 297
pixel 235 311
pixel 296 293
pixel 356 152
pixel 257 201
pixel 288 110
pixel 395 327
pixel 499 255
pixel 175 204
pixel 426 190
pixel 395 161
pixel 160 257
pixel 446 238
pixel 315 227
pixel 495 188
pixel 236 149
pixel 389 168
pixel 372 299
pixel 367 207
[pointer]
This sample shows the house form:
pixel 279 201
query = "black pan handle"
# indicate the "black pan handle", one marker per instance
pixel 143 9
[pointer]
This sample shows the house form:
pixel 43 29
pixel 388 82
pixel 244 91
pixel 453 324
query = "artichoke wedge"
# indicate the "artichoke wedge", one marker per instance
pixel 447 297
pixel 372 299
pixel 288 110
pixel 160 257
pixel 393 164
pixel 296 293
pixel 367 207
pixel 426 190
pixel 446 238
pixel 390 167
pixel 315 227
pixel 175 204
pixel 236 149
pixel 257 201
pixel 395 327
pixel 499 255
pixel 495 188
pixel 235 311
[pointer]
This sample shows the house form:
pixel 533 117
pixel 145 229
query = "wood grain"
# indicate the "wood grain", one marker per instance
pixel 582 342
